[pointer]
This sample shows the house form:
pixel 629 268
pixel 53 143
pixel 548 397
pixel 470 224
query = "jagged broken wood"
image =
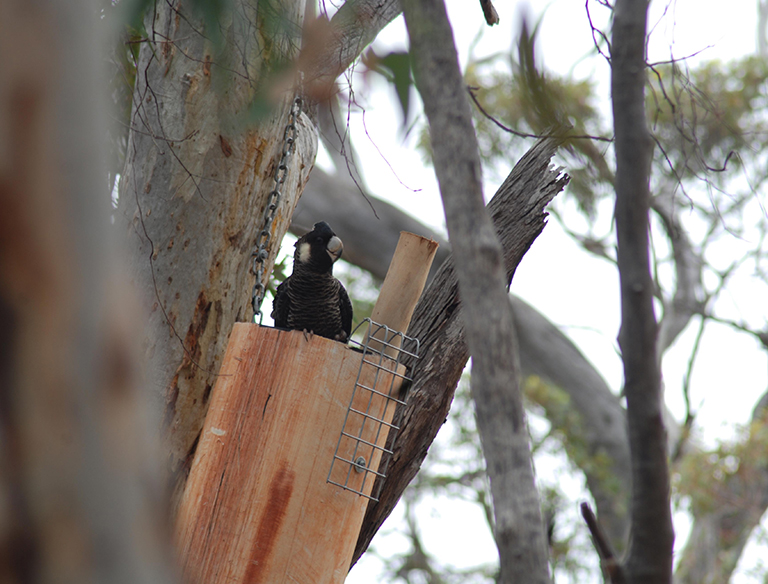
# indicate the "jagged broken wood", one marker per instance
pixel 517 210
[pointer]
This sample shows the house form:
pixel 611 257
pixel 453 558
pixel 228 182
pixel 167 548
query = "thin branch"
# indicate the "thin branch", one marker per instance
pixel 554 134
pixel 761 336
pixel 608 558
pixel 489 12
pixel 599 34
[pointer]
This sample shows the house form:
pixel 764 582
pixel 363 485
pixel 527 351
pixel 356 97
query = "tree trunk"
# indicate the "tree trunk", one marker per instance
pixel 650 552
pixel 76 477
pixel 486 313
pixel 194 191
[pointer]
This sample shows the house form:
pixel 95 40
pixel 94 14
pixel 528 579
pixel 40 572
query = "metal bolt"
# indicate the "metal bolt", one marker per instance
pixel 360 464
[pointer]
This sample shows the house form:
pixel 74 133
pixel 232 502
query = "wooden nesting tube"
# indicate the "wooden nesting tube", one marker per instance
pixel 258 506
pixel 402 286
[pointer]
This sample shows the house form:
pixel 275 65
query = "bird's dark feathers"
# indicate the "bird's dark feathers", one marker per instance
pixel 311 299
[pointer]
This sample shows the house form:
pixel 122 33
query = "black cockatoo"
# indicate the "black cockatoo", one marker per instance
pixel 311 299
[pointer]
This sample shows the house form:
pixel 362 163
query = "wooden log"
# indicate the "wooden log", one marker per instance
pixel 402 286
pixel 290 415
pixel 405 281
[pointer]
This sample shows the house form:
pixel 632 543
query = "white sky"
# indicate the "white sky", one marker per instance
pixel 570 287
pixel 590 308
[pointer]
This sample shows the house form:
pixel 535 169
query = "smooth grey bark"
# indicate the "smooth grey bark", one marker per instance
pixel 77 502
pixel 650 552
pixel 486 314
pixel 194 191
pixel 353 27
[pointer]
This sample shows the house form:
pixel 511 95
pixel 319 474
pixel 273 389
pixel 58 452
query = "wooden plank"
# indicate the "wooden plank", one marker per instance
pixel 403 285
pixel 257 507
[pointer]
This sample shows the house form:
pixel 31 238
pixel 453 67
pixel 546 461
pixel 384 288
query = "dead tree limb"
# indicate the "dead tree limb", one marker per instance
pixel 518 214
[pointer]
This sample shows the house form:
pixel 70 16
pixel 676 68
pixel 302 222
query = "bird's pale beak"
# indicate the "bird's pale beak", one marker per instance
pixel 334 248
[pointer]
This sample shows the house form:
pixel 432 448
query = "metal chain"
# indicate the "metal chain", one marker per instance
pixel 261 249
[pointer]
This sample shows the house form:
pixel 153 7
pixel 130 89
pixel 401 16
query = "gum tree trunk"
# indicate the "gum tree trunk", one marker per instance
pixel 77 502
pixel 199 169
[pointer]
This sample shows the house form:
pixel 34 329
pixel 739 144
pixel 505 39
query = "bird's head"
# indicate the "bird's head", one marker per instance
pixel 318 249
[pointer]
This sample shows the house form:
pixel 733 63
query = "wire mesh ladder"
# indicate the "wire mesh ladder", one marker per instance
pixel 369 417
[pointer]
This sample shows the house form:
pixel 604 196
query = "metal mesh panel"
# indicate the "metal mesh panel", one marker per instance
pixel 377 392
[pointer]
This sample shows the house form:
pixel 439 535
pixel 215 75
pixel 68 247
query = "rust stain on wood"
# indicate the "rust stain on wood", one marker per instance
pixel 196 329
pixel 280 491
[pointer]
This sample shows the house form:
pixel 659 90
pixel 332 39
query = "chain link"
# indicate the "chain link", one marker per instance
pixel 261 249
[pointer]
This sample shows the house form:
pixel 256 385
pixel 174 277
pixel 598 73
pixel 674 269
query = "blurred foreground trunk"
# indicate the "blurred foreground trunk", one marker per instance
pixel 76 480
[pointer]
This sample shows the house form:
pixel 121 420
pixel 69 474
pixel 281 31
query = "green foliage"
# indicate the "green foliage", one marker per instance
pixel 279 274
pixel 704 119
pixel 701 116
pixel 128 13
pixel 395 67
pixel 211 11
pixel 709 479
pixel 517 93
